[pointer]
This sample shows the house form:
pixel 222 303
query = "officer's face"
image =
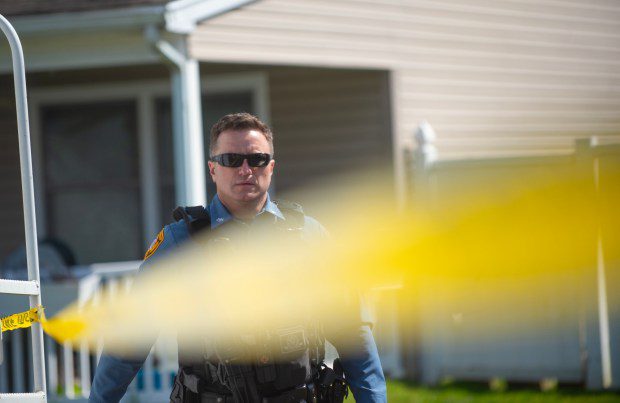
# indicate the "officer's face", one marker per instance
pixel 244 184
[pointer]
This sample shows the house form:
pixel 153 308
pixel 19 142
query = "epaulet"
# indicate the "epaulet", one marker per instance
pixel 293 213
pixel 196 218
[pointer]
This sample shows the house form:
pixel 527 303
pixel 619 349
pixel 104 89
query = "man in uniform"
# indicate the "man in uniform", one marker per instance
pixel 241 165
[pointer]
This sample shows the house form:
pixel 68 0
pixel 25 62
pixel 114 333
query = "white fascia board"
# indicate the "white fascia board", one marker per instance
pixel 88 20
pixel 182 16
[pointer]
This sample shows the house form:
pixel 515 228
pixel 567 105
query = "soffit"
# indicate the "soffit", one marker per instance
pixel 11 8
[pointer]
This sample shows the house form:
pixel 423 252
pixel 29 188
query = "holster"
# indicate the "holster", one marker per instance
pixel 187 388
pixel 331 384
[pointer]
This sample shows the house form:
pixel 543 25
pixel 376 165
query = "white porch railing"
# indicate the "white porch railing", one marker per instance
pixel 70 367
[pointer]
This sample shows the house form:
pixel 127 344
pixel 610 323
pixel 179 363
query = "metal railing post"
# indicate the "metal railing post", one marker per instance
pixel 19 75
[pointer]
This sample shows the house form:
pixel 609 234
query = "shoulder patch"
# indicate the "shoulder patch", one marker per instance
pixel 158 241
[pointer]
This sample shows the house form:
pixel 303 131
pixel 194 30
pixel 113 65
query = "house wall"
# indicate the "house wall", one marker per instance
pixel 516 77
pixel 328 122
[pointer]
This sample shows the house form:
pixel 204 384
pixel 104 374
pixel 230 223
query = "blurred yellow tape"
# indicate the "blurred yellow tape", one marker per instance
pixel 24 319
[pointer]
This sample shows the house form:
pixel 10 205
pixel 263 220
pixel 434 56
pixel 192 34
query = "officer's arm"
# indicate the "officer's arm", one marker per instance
pixel 355 343
pixel 356 347
pixel 114 374
pixel 362 368
pixel 112 378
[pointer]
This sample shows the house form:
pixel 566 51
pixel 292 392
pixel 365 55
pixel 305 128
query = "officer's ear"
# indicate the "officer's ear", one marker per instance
pixel 211 169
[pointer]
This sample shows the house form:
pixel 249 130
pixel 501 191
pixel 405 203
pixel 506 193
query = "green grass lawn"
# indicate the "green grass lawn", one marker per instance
pixel 403 392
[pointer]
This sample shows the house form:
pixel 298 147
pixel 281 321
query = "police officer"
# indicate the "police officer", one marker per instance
pixel 241 165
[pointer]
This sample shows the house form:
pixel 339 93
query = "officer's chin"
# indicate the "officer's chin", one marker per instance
pixel 250 191
pixel 250 196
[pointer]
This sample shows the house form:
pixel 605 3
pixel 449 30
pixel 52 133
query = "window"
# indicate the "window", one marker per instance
pixel 91 179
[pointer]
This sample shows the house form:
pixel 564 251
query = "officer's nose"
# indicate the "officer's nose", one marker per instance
pixel 245 168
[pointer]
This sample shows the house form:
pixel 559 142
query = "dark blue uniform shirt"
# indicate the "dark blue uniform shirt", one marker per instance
pixel 360 359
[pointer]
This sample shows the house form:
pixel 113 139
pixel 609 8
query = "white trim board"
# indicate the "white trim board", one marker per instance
pixel 180 16
pixel 41 24
pixel 144 93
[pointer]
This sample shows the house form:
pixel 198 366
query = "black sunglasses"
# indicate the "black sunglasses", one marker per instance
pixel 232 160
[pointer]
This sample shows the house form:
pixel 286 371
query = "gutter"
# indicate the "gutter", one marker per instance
pixel 75 22
pixel 178 16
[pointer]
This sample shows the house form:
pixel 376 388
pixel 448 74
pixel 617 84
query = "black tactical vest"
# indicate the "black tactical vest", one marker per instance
pixel 281 360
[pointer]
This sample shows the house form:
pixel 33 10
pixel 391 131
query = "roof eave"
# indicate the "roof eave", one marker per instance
pixel 182 16
pixel 179 16
pixel 88 20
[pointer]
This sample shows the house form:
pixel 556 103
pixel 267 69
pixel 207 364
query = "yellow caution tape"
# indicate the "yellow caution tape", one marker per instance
pixel 23 320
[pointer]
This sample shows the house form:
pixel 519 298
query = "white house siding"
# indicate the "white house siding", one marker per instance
pixel 516 77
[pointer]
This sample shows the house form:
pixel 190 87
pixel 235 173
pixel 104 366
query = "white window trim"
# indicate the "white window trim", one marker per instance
pixel 144 93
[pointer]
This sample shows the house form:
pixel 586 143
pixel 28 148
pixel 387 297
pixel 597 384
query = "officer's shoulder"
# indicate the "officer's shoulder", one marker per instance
pixel 313 227
pixel 294 213
pixel 168 238
pixel 178 231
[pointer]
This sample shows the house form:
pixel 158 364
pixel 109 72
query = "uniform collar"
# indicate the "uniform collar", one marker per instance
pixel 219 213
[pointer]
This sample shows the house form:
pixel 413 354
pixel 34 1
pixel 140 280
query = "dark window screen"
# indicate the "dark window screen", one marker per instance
pixel 92 181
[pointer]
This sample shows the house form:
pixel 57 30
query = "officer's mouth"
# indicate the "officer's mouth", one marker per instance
pixel 246 184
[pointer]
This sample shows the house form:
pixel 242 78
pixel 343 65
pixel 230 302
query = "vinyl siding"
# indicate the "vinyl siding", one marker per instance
pixel 517 77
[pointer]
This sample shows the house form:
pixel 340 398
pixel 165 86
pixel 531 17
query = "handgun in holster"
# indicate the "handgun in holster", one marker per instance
pixel 331 384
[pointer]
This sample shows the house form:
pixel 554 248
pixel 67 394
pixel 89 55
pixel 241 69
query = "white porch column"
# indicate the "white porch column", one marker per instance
pixel 189 161
pixel 189 164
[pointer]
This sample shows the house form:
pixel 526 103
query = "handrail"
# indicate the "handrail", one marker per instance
pixel 21 105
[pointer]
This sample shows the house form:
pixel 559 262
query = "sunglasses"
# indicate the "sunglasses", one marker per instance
pixel 232 160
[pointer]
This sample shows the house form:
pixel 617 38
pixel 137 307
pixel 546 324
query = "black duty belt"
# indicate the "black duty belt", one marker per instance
pixel 208 397
pixel 302 394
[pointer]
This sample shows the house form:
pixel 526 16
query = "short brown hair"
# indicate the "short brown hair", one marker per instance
pixel 239 121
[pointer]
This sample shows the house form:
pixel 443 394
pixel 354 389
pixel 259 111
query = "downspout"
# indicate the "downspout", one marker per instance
pixel 188 143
